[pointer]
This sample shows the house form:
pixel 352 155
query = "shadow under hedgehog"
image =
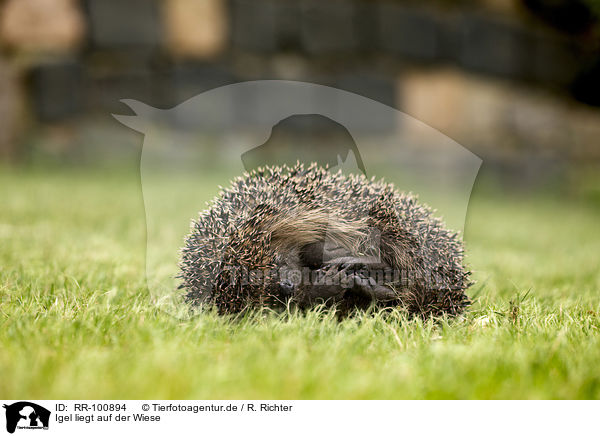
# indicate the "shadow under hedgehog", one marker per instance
pixel 304 235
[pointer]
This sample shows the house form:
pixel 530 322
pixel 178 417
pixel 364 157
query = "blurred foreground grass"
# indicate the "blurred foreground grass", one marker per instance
pixel 76 320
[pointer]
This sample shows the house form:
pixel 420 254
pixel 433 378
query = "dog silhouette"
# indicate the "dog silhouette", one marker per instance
pixel 305 138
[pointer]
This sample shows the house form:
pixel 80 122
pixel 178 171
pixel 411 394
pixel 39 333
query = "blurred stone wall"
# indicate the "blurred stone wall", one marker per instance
pixel 499 76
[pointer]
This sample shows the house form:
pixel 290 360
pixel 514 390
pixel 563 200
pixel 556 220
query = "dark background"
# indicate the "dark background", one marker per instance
pixel 514 81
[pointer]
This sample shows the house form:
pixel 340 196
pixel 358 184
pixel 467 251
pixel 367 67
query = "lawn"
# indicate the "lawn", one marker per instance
pixel 77 321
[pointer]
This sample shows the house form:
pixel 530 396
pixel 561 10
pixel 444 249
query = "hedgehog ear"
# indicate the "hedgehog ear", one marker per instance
pixel 144 114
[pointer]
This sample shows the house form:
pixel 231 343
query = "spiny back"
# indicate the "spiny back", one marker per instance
pixel 267 220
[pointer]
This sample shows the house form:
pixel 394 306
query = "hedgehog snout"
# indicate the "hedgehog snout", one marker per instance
pixel 286 287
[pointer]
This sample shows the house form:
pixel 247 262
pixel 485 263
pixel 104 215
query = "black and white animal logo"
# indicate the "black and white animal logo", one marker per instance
pixel 26 415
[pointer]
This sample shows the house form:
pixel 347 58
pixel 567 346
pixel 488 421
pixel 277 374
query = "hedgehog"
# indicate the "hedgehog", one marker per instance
pixel 305 235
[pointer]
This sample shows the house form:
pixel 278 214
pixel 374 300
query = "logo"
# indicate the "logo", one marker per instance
pixel 26 415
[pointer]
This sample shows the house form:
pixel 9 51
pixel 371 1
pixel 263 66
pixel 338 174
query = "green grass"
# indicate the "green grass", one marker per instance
pixel 76 320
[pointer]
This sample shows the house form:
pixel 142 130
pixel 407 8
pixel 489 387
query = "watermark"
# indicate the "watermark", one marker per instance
pixel 206 141
pixel 346 278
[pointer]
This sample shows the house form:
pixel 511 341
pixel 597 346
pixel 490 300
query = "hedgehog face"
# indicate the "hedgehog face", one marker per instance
pixel 300 276
pixel 307 278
